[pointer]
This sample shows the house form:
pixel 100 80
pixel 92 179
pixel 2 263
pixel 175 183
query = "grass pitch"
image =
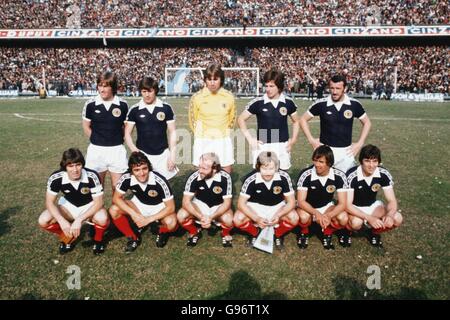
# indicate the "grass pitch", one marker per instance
pixel 413 137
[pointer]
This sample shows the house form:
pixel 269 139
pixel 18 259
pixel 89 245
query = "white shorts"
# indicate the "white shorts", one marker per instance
pixel 204 209
pixel 266 212
pixel 112 159
pixel 74 211
pixel 369 210
pixel 222 147
pixel 323 209
pixel 147 210
pixel 159 164
pixel 342 160
pixel 279 148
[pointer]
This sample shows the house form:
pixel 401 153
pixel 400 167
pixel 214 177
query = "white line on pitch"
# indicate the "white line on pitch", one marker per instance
pixel 18 115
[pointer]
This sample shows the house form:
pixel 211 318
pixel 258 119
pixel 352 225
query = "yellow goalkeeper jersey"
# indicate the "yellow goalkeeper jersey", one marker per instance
pixel 212 116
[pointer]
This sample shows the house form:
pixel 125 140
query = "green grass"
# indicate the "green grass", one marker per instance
pixel 413 137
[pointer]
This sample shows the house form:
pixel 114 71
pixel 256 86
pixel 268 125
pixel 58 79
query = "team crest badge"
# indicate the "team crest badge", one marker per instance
pixel 283 111
pixel 376 187
pixel 277 190
pixel 217 190
pixel 160 116
pixel 348 114
pixel 85 190
pixel 331 188
pixel 116 112
pixel 152 193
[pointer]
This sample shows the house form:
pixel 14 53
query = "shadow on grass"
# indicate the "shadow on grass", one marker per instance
pixel 349 289
pixel 30 296
pixel 4 217
pixel 242 286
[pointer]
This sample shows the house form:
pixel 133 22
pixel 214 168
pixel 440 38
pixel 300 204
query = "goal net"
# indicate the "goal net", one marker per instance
pixel 186 81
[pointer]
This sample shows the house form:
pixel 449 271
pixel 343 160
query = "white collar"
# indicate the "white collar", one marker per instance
pixel 338 105
pixel 75 183
pixel 158 103
pixel 151 180
pixel 360 175
pixel 322 179
pixel 259 179
pixel 217 177
pixel 281 98
pixel 107 104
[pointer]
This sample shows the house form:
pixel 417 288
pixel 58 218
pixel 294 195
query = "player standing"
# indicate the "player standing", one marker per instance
pixel 336 115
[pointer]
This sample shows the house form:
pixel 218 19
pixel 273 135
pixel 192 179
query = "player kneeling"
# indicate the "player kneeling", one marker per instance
pixel 207 200
pixel 316 187
pixel 152 201
pixel 364 182
pixel 82 201
pixel 266 199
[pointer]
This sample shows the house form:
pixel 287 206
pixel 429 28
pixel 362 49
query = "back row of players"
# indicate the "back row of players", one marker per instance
pixel 267 197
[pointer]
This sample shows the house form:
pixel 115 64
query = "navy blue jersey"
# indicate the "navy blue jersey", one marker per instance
pixel 267 193
pixel 78 193
pixel 271 120
pixel 211 191
pixel 321 190
pixel 336 125
pixel 106 123
pixel 151 124
pixel 366 188
pixel 153 192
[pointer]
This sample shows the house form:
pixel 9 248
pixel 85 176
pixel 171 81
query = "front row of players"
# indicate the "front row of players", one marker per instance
pixel 338 203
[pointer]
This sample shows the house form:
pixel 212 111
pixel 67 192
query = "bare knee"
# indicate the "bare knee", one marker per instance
pixel 304 217
pixel 45 219
pixel 239 218
pixel 170 221
pixel 293 218
pixel 342 218
pixel 227 218
pixel 114 212
pixel 398 219
pixel 182 215
pixel 356 223
pixel 101 218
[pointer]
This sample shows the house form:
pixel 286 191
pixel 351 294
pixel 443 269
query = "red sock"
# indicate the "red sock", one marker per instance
pixel 123 225
pixel 329 230
pixel 249 228
pixel 381 230
pixel 99 232
pixel 304 228
pixel 283 228
pixel 54 228
pixel 189 226
pixel 226 230
pixel 164 229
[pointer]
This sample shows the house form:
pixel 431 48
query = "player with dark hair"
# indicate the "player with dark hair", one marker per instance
pixel 272 111
pixel 103 124
pixel 152 202
pixel 317 186
pixel 153 118
pixel 336 115
pixel 212 113
pixel 364 182
pixel 207 201
pixel 81 201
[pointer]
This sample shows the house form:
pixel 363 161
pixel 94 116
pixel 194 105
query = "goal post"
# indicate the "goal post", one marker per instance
pixel 243 81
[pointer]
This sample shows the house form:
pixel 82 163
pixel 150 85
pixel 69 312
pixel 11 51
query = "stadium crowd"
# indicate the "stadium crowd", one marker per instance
pixel 368 69
pixel 28 14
